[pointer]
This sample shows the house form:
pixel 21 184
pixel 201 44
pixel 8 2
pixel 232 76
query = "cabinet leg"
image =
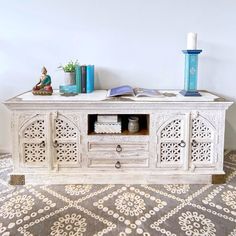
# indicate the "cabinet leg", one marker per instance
pixel 218 179
pixel 17 180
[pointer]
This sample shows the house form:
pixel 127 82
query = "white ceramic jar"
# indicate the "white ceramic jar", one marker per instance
pixel 133 125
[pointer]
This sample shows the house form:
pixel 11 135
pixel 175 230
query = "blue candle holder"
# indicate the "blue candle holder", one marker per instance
pixel 190 75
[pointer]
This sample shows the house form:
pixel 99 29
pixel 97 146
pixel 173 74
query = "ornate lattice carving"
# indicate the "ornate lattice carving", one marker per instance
pixel 170 152
pixel 172 130
pixel 199 129
pixel 212 117
pixel 161 119
pixel 23 118
pixel 67 152
pixel 201 152
pixel 64 129
pixel 35 130
pixel 75 118
pixel 33 152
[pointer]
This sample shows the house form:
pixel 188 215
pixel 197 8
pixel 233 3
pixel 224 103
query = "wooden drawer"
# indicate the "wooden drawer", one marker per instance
pixel 97 150
pixel 117 147
pixel 115 155
pixel 117 163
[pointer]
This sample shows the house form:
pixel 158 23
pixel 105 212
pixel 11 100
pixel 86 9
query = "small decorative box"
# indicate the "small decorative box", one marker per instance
pixel 68 89
pixel 107 118
pixel 107 128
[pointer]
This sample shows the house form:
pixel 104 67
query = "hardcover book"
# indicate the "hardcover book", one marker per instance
pixel 83 78
pixel 127 90
pixel 90 79
pixel 78 78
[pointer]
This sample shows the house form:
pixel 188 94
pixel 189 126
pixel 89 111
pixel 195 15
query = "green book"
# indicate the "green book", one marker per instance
pixel 78 78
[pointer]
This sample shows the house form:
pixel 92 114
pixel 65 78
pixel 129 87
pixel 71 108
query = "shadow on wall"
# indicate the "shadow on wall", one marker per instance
pixel 215 64
pixel 211 60
pixel 106 79
pixel 230 131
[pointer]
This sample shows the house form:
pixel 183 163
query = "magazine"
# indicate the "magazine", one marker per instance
pixel 127 90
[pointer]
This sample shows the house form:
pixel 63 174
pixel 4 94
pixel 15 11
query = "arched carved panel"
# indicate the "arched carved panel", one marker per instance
pixel 202 140
pixel 67 136
pixel 24 118
pixel 170 135
pixel 33 141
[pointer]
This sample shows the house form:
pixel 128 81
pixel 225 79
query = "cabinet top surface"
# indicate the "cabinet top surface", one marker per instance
pixel 99 96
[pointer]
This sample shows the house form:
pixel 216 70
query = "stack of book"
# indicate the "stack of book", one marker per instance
pixel 84 82
pixel 85 78
pixel 107 124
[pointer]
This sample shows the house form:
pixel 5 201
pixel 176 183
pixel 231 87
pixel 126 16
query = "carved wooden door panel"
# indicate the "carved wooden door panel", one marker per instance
pixel 66 142
pixel 203 140
pixel 33 142
pixel 171 142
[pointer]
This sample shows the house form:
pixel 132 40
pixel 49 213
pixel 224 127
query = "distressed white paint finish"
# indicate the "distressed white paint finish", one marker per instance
pixel 184 142
pixel 136 177
pixel 99 95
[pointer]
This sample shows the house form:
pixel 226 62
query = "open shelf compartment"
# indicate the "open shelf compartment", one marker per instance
pixel 144 120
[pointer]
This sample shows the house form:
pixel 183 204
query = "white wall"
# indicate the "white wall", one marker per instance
pixel 136 42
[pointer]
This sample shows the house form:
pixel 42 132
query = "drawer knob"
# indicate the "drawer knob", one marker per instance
pixel 42 144
pixel 55 144
pixel 118 148
pixel 182 143
pixel 117 165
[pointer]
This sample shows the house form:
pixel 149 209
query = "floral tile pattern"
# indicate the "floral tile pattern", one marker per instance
pixel 120 210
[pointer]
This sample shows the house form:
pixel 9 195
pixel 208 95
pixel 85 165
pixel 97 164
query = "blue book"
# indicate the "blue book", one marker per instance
pixel 78 78
pixel 90 79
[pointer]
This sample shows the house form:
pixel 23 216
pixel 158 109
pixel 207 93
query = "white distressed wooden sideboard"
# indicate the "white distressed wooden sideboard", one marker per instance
pixel 181 139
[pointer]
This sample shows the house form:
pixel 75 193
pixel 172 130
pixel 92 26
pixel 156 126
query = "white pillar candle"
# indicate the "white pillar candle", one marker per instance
pixel 192 41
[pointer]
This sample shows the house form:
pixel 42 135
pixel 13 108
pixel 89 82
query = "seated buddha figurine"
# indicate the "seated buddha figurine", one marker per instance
pixel 43 87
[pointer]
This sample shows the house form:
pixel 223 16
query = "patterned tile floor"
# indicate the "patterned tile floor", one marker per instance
pixel 76 210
